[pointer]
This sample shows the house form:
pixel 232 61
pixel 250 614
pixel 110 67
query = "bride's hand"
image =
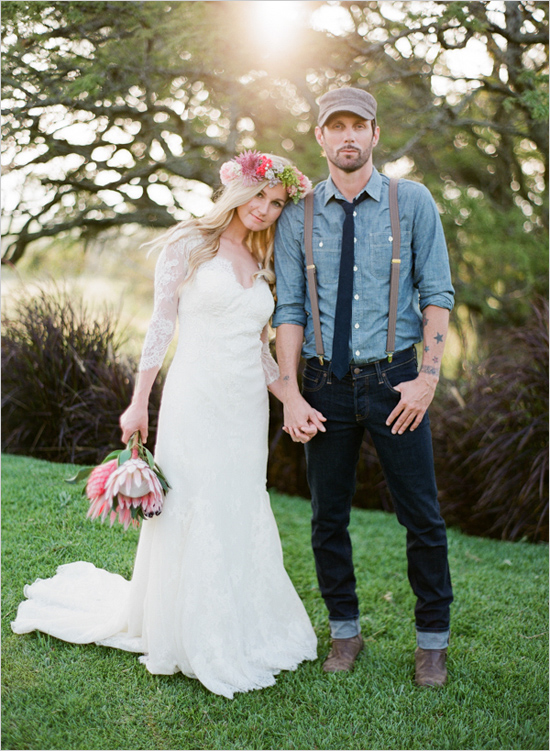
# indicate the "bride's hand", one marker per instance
pixel 136 417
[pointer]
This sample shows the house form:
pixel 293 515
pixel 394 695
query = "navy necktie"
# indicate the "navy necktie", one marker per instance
pixel 342 316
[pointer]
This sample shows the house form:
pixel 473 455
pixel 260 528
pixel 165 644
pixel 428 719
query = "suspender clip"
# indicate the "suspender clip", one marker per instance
pixel 390 356
pixel 321 360
pixel 311 266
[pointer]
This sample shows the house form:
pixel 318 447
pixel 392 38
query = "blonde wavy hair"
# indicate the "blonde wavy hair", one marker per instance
pixel 209 229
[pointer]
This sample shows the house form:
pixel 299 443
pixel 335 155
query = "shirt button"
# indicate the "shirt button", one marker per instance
pixel 357 352
pixel 320 244
pixel 357 371
pixel 390 239
pixel 355 213
pixel 356 325
pixel 355 268
pixel 356 297
pixel 354 239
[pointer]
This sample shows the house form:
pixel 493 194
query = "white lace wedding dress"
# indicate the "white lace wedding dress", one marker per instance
pixel 209 594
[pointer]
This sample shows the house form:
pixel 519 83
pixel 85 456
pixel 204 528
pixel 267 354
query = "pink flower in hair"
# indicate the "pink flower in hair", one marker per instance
pixel 229 171
pixel 249 162
pixel 253 167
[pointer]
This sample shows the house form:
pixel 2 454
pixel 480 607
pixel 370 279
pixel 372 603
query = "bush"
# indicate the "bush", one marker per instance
pixel 64 382
pixel 65 385
pixel 492 439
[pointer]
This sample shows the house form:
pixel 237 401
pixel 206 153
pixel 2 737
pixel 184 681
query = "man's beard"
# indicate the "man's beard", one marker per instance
pixel 346 166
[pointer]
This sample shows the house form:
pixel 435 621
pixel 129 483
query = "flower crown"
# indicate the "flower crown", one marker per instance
pixel 253 167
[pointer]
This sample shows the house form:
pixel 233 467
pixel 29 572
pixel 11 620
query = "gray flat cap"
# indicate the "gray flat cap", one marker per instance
pixel 347 99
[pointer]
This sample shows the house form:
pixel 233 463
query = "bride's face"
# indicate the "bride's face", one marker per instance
pixel 264 209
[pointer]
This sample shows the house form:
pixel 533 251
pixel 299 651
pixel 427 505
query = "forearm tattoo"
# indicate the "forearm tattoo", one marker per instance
pixel 434 348
pixel 430 370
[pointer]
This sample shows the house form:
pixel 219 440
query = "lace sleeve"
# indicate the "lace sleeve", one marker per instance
pixel 170 272
pixel 271 369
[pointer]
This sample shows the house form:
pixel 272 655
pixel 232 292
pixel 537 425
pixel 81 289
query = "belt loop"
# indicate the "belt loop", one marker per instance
pixel 329 373
pixel 379 372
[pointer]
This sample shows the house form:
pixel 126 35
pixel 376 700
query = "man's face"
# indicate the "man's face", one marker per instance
pixel 347 140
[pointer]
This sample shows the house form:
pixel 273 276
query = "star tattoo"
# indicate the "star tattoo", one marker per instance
pixel 426 349
pixel 438 338
pixel 435 359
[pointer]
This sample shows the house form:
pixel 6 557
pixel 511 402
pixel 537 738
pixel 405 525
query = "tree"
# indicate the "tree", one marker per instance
pixel 108 111
pixel 113 111
pixel 479 140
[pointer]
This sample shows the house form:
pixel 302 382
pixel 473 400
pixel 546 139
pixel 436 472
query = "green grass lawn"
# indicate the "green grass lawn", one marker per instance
pixel 64 696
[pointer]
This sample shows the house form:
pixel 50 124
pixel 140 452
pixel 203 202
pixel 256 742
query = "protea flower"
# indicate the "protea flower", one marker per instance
pixel 100 502
pixel 135 485
pixel 128 485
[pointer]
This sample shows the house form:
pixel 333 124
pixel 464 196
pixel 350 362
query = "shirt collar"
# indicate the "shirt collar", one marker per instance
pixel 373 188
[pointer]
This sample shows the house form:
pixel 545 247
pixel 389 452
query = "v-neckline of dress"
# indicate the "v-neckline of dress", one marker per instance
pixel 231 268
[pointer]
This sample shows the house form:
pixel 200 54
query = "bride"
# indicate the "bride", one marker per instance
pixel 209 595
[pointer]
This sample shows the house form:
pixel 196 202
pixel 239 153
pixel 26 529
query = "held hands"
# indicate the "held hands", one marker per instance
pixel 416 397
pixel 136 417
pixel 301 420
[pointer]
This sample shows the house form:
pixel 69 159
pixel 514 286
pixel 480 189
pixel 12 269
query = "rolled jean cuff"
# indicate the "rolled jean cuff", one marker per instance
pixel 344 629
pixel 432 639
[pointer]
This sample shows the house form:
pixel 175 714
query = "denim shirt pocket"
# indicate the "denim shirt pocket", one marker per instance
pixel 380 253
pixel 326 256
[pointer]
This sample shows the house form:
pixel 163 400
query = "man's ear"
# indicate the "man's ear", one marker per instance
pixel 319 136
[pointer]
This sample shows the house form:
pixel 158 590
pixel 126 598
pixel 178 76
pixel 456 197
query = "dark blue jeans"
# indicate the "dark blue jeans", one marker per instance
pixel 363 399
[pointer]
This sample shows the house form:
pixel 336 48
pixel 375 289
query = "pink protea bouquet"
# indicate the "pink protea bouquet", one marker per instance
pixel 127 485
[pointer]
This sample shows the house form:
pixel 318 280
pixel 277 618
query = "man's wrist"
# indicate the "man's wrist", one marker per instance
pixel 429 373
pixel 289 388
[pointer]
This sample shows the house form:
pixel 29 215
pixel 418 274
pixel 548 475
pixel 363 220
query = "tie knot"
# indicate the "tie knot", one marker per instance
pixel 348 207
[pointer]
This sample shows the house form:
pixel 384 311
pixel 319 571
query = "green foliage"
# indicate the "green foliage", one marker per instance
pixel 535 98
pixel 498 258
pixel 64 382
pixel 66 696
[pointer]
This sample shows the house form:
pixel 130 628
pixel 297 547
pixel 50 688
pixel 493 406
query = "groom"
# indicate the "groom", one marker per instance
pixel 357 386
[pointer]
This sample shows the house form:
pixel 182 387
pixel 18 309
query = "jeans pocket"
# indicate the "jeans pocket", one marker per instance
pixel 313 380
pixel 407 371
pixel 389 386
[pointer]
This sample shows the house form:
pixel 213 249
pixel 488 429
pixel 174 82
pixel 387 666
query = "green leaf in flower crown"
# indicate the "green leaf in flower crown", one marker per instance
pixel 150 458
pixel 80 475
pixel 134 512
pixel 112 455
pixel 124 456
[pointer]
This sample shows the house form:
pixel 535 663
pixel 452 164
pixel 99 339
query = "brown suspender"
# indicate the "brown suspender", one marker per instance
pixel 311 280
pixel 395 267
pixel 394 274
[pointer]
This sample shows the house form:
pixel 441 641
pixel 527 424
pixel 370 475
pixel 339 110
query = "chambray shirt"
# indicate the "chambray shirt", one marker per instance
pixel 424 279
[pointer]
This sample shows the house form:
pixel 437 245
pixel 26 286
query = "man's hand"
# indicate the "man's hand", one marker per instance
pixel 301 420
pixel 416 397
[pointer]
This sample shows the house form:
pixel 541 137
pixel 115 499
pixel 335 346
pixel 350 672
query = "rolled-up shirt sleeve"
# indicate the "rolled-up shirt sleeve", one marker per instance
pixel 432 274
pixel 289 268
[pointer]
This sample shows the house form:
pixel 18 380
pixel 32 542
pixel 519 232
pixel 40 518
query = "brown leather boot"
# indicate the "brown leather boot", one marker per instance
pixel 343 654
pixel 431 669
